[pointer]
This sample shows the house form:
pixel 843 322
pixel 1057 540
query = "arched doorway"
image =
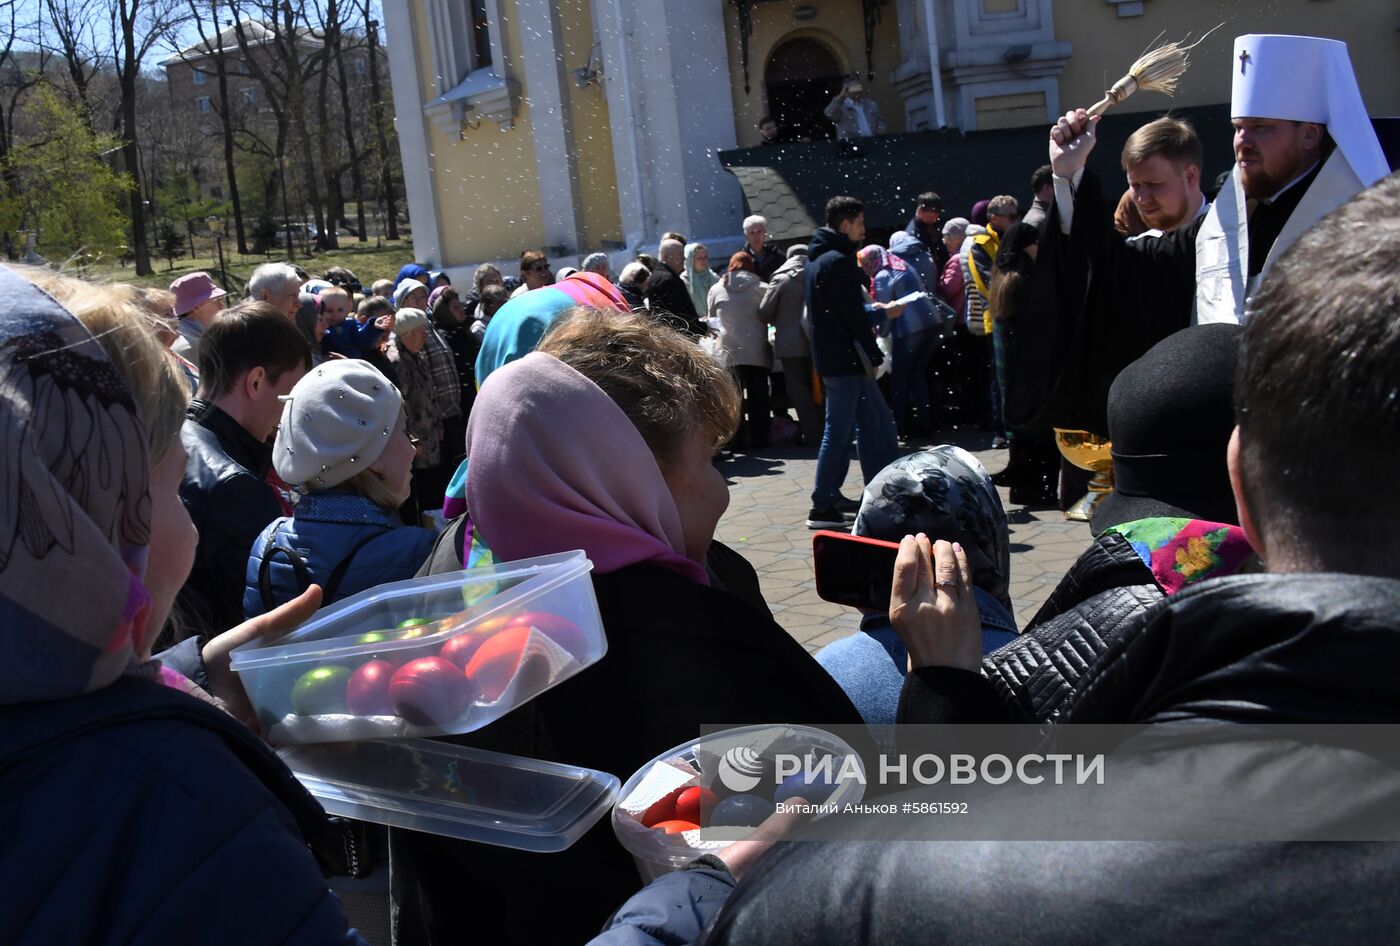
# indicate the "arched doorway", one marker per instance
pixel 802 77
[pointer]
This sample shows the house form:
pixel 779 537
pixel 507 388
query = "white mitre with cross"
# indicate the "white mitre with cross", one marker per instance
pixel 1295 78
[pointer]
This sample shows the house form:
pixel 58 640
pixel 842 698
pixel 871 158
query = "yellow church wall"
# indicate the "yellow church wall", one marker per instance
pixel 840 26
pixel 484 185
pixel 1105 45
pixel 599 215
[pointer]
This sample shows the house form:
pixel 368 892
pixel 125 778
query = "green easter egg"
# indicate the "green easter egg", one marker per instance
pixel 413 622
pixel 320 691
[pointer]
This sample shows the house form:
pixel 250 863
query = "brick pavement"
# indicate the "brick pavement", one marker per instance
pixel 770 492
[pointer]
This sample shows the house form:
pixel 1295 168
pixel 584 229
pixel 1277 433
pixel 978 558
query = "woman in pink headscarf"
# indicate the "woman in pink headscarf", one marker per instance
pixel 603 440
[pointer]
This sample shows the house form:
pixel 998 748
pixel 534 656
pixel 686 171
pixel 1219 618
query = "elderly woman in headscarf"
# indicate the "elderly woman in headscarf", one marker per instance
pixel 698 276
pixel 137 807
pixel 946 494
pixel 641 496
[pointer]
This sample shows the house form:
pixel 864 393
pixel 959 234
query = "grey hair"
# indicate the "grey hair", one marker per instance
pixel 271 278
pixel 594 263
pixel 633 273
pixel 755 220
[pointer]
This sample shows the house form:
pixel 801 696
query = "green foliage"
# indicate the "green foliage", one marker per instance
pixel 67 188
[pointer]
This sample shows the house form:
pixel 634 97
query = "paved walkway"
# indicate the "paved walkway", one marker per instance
pixel 770 493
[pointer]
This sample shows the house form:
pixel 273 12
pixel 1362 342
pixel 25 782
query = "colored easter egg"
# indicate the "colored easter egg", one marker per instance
pixel 695 804
pixel 741 811
pixel 430 691
pixel 367 693
pixel 663 810
pixel 460 649
pixel 675 827
pixel 413 622
pixel 320 691
pixel 811 787
pixel 500 659
pixel 562 631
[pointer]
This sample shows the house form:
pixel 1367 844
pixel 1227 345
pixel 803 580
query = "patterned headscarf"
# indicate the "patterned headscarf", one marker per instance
pixel 945 493
pixel 75 513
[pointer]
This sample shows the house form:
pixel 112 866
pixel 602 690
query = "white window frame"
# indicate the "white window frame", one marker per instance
pixel 202 104
pixel 249 94
pixel 466 94
pixel 198 74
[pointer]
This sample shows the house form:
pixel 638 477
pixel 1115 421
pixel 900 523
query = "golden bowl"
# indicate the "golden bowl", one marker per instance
pixel 1085 450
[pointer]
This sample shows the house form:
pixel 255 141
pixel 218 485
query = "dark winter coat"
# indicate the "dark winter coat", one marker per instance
pixel 137 814
pixel 668 295
pixel 836 308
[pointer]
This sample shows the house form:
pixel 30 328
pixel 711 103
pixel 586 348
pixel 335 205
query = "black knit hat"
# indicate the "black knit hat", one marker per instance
pixel 1170 416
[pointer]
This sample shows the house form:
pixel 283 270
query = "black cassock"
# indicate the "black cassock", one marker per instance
pixel 1097 303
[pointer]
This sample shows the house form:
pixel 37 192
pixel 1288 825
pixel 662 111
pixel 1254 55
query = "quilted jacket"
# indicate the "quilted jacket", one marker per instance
pixel 326 528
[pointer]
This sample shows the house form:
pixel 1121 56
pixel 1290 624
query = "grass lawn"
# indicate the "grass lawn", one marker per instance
pixel 363 259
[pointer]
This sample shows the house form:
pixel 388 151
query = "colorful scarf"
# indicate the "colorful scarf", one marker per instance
pixel 518 326
pixel 74 507
pixel 556 465
pixel 1181 552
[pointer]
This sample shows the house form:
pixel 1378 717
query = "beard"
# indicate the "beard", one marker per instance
pixel 1261 182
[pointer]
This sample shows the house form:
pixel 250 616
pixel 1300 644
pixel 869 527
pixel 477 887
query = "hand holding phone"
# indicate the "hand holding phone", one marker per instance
pixel 933 607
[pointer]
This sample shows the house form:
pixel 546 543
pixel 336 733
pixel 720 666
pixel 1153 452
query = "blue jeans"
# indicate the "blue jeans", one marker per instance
pixel 853 401
pixel 870 665
pixel 909 373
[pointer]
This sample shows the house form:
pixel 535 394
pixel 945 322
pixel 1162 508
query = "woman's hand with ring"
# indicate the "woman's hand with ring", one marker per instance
pixel 933 607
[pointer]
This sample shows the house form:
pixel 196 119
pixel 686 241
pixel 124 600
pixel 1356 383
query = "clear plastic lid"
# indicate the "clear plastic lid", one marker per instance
pixel 455 791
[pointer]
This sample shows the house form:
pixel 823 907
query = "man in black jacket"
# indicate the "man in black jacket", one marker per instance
pixel 667 293
pixel 248 359
pixel 845 356
pixel 926 227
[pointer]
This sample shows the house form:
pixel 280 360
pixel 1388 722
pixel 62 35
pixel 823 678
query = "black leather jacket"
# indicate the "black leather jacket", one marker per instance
pixel 226 493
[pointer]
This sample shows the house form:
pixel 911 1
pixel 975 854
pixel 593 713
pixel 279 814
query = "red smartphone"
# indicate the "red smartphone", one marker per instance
pixel 853 570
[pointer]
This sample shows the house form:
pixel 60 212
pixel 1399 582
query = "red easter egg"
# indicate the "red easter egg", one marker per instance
pixel 562 631
pixel 675 827
pixel 367 693
pixel 498 660
pixel 430 691
pixel 663 810
pixel 459 649
pixel 695 804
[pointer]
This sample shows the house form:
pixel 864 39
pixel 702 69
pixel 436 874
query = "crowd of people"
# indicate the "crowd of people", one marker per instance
pixel 185 476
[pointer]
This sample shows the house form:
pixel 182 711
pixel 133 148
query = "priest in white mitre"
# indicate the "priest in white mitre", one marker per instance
pixel 1303 146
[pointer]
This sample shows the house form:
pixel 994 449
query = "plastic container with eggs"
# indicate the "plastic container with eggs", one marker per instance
pixel 702 796
pixel 345 694
pixel 427 656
